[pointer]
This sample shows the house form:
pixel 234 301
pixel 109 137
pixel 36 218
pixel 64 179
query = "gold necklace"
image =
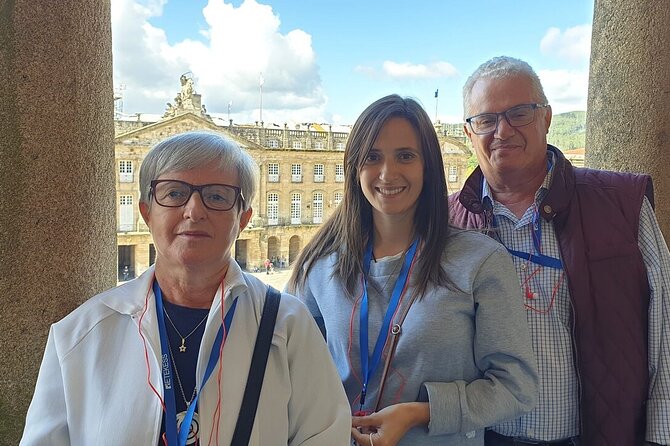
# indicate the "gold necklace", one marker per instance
pixel 182 347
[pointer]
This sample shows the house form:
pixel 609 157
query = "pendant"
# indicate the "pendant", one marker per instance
pixel 194 429
pixel 182 347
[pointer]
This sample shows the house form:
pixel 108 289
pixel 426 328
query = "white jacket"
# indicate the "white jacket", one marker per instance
pixel 93 386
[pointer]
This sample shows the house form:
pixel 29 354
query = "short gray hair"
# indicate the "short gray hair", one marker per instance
pixel 502 67
pixel 191 150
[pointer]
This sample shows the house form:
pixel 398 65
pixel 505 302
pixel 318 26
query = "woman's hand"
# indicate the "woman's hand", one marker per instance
pixel 389 425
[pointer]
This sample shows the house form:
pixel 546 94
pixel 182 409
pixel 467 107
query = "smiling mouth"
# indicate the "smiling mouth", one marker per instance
pixel 505 147
pixel 388 191
pixel 194 234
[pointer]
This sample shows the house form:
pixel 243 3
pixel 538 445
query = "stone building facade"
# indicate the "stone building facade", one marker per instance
pixel 301 180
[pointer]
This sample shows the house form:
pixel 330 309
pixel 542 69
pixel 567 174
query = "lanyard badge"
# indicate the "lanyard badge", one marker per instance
pixel 179 436
pixel 369 365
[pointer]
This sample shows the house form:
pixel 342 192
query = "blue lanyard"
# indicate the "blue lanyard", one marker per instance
pixel 370 365
pixel 170 408
pixel 538 258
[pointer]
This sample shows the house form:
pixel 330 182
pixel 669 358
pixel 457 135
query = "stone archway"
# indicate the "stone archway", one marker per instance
pixel 294 247
pixel 273 247
pixel 241 251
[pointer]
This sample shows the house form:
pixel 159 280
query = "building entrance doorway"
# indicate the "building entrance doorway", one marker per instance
pixel 126 262
pixel 293 249
pixel 241 253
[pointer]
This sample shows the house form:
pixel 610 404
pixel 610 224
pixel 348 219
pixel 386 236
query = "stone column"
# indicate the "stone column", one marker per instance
pixel 628 119
pixel 57 224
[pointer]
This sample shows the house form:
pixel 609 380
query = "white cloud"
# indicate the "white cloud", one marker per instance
pixel 566 90
pixel 572 45
pixel 366 70
pixel 418 71
pixel 406 70
pixel 239 44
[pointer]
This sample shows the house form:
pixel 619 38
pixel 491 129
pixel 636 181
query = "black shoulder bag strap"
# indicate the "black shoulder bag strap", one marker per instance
pixel 252 392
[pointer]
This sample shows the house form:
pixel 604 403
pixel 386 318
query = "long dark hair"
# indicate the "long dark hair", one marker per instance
pixel 349 228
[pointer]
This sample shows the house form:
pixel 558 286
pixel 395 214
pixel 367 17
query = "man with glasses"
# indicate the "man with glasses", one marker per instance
pixel 593 266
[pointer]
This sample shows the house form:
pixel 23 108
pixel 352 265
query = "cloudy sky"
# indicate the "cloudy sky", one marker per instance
pixel 325 61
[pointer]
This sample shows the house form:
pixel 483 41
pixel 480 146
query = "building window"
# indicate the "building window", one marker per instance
pixel 273 143
pixel 339 173
pixel 339 146
pixel 273 172
pixel 296 173
pixel 125 171
pixel 296 209
pixel 318 145
pixel 297 144
pixel 337 199
pixel 273 209
pixel 126 217
pixel 453 174
pixel 317 208
pixel 318 173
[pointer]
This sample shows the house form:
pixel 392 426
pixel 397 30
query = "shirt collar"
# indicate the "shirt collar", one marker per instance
pixel 234 283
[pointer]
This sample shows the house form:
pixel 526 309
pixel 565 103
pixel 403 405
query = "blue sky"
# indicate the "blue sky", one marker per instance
pixel 326 61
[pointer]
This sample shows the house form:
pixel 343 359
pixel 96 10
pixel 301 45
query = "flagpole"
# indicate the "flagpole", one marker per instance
pixel 436 100
pixel 260 83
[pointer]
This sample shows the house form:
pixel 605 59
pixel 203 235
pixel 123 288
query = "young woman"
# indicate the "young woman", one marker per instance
pixel 425 322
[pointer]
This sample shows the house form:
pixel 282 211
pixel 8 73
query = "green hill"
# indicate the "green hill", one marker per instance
pixel 568 130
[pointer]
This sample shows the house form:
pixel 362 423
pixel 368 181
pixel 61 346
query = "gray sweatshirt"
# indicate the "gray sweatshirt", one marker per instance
pixel 466 351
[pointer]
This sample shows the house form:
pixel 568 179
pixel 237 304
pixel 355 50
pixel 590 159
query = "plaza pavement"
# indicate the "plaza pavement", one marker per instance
pixel 277 279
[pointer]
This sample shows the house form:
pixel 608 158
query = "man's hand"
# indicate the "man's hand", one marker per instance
pixel 389 425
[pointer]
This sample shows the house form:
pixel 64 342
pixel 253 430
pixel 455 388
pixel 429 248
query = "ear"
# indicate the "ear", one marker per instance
pixel 244 219
pixel 466 129
pixel 144 211
pixel 547 117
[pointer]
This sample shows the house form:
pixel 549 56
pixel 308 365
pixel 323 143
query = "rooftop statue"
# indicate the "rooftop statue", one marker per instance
pixel 187 100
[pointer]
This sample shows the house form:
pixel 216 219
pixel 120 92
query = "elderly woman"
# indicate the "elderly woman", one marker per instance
pixel 164 359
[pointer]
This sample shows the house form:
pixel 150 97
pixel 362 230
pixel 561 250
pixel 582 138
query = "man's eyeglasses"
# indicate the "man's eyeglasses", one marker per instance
pixel 517 116
pixel 175 193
